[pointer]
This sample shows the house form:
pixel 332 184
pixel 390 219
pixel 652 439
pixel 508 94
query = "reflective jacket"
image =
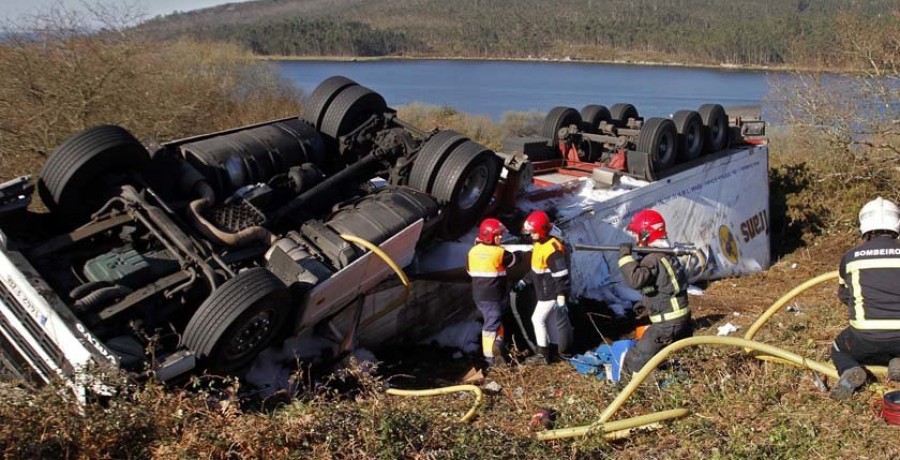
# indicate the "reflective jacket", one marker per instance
pixel 869 285
pixel 487 266
pixel 549 269
pixel 663 282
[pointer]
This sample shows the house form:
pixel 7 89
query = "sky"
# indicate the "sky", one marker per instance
pixel 12 9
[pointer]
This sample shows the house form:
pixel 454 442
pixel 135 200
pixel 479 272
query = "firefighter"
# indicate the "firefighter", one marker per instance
pixel 487 264
pixel 869 285
pixel 663 282
pixel 550 276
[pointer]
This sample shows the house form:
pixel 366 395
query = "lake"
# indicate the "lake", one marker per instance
pixel 494 87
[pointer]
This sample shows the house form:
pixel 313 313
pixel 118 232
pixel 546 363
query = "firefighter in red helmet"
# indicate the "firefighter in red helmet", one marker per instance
pixel 487 264
pixel 550 276
pixel 663 282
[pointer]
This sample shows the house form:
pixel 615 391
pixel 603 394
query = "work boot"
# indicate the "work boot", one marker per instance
pixel 501 352
pixel 540 356
pixel 894 370
pixel 553 353
pixel 850 380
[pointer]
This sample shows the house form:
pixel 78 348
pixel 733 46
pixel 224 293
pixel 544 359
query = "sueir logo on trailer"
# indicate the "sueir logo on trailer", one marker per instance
pixel 755 226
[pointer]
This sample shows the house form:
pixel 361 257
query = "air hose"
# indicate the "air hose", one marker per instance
pixel 396 304
pixel 396 268
pixel 442 391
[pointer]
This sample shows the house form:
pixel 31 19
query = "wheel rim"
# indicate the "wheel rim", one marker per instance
pixel 473 187
pixel 253 333
pixel 717 131
pixel 665 148
pixel 693 138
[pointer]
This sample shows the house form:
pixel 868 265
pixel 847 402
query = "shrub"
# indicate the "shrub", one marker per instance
pixel 67 77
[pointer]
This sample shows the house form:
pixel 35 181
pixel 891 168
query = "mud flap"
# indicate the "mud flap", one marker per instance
pixel 642 165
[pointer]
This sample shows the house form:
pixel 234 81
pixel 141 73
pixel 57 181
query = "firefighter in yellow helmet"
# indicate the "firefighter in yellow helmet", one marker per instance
pixel 487 264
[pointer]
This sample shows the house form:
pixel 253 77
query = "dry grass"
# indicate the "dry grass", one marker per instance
pixel 743 408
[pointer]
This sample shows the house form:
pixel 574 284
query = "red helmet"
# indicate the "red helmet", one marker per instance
pixel 537 222
pixel 490 228
pixel 648 225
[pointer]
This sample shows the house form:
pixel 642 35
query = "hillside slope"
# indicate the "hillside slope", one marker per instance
pixel 754 32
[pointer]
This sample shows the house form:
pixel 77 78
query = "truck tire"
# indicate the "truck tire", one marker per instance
pixel 349 109
pixel 321 97
pixel 621 112
pixel 238 320
pixel 657 138
pixel 430 158
pixel 557 118
pixel 715 127
pixel 592 115
pixel 689 127
pixel 465 185
pixel 72 184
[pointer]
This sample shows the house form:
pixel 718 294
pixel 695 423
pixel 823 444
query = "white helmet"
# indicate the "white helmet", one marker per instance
pixel 879 214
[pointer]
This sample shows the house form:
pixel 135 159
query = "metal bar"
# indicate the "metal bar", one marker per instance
pixel 62 241
pixel 144 293
pixel 409 127
pixel 677 251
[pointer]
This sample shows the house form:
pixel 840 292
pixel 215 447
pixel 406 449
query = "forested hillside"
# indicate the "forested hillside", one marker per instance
pixel 748 32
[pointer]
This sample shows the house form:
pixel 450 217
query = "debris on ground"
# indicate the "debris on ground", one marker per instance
pixel 726 329
pixel 694 290
pixel 492 387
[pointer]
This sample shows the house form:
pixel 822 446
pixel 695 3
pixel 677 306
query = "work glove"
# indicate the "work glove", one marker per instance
pixel 519 286
pixel 560 301
pixel 624 250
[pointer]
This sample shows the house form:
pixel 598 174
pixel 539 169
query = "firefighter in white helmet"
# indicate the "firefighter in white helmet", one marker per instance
pixel 870 287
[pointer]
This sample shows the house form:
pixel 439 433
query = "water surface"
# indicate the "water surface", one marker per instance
pixel 494 87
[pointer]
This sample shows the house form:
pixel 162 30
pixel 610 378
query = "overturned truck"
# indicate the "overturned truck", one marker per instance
pixel 200 253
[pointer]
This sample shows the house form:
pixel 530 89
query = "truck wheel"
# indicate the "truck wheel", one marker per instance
pixel 715 127
pixel 592 115
pixel 465 185
pixel 657 138
pixel 74 180
pixel 238 320
pixel 321 97
pixel 557 118
pixel 690 133
pixel 620 114
pixel 349 109
pixel 430 158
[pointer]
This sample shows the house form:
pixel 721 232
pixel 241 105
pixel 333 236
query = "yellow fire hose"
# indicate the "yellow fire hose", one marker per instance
pixel 396 304
pixel 639 377
pixel 767 315
pixel 623 428
pixel 760 350
pixel 442 391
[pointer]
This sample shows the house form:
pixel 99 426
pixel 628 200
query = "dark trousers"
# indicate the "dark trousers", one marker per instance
pixel 850 349
pixel 492 311
pixel 655 338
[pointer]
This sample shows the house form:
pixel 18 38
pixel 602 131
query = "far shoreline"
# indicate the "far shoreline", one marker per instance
pixel 565 60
